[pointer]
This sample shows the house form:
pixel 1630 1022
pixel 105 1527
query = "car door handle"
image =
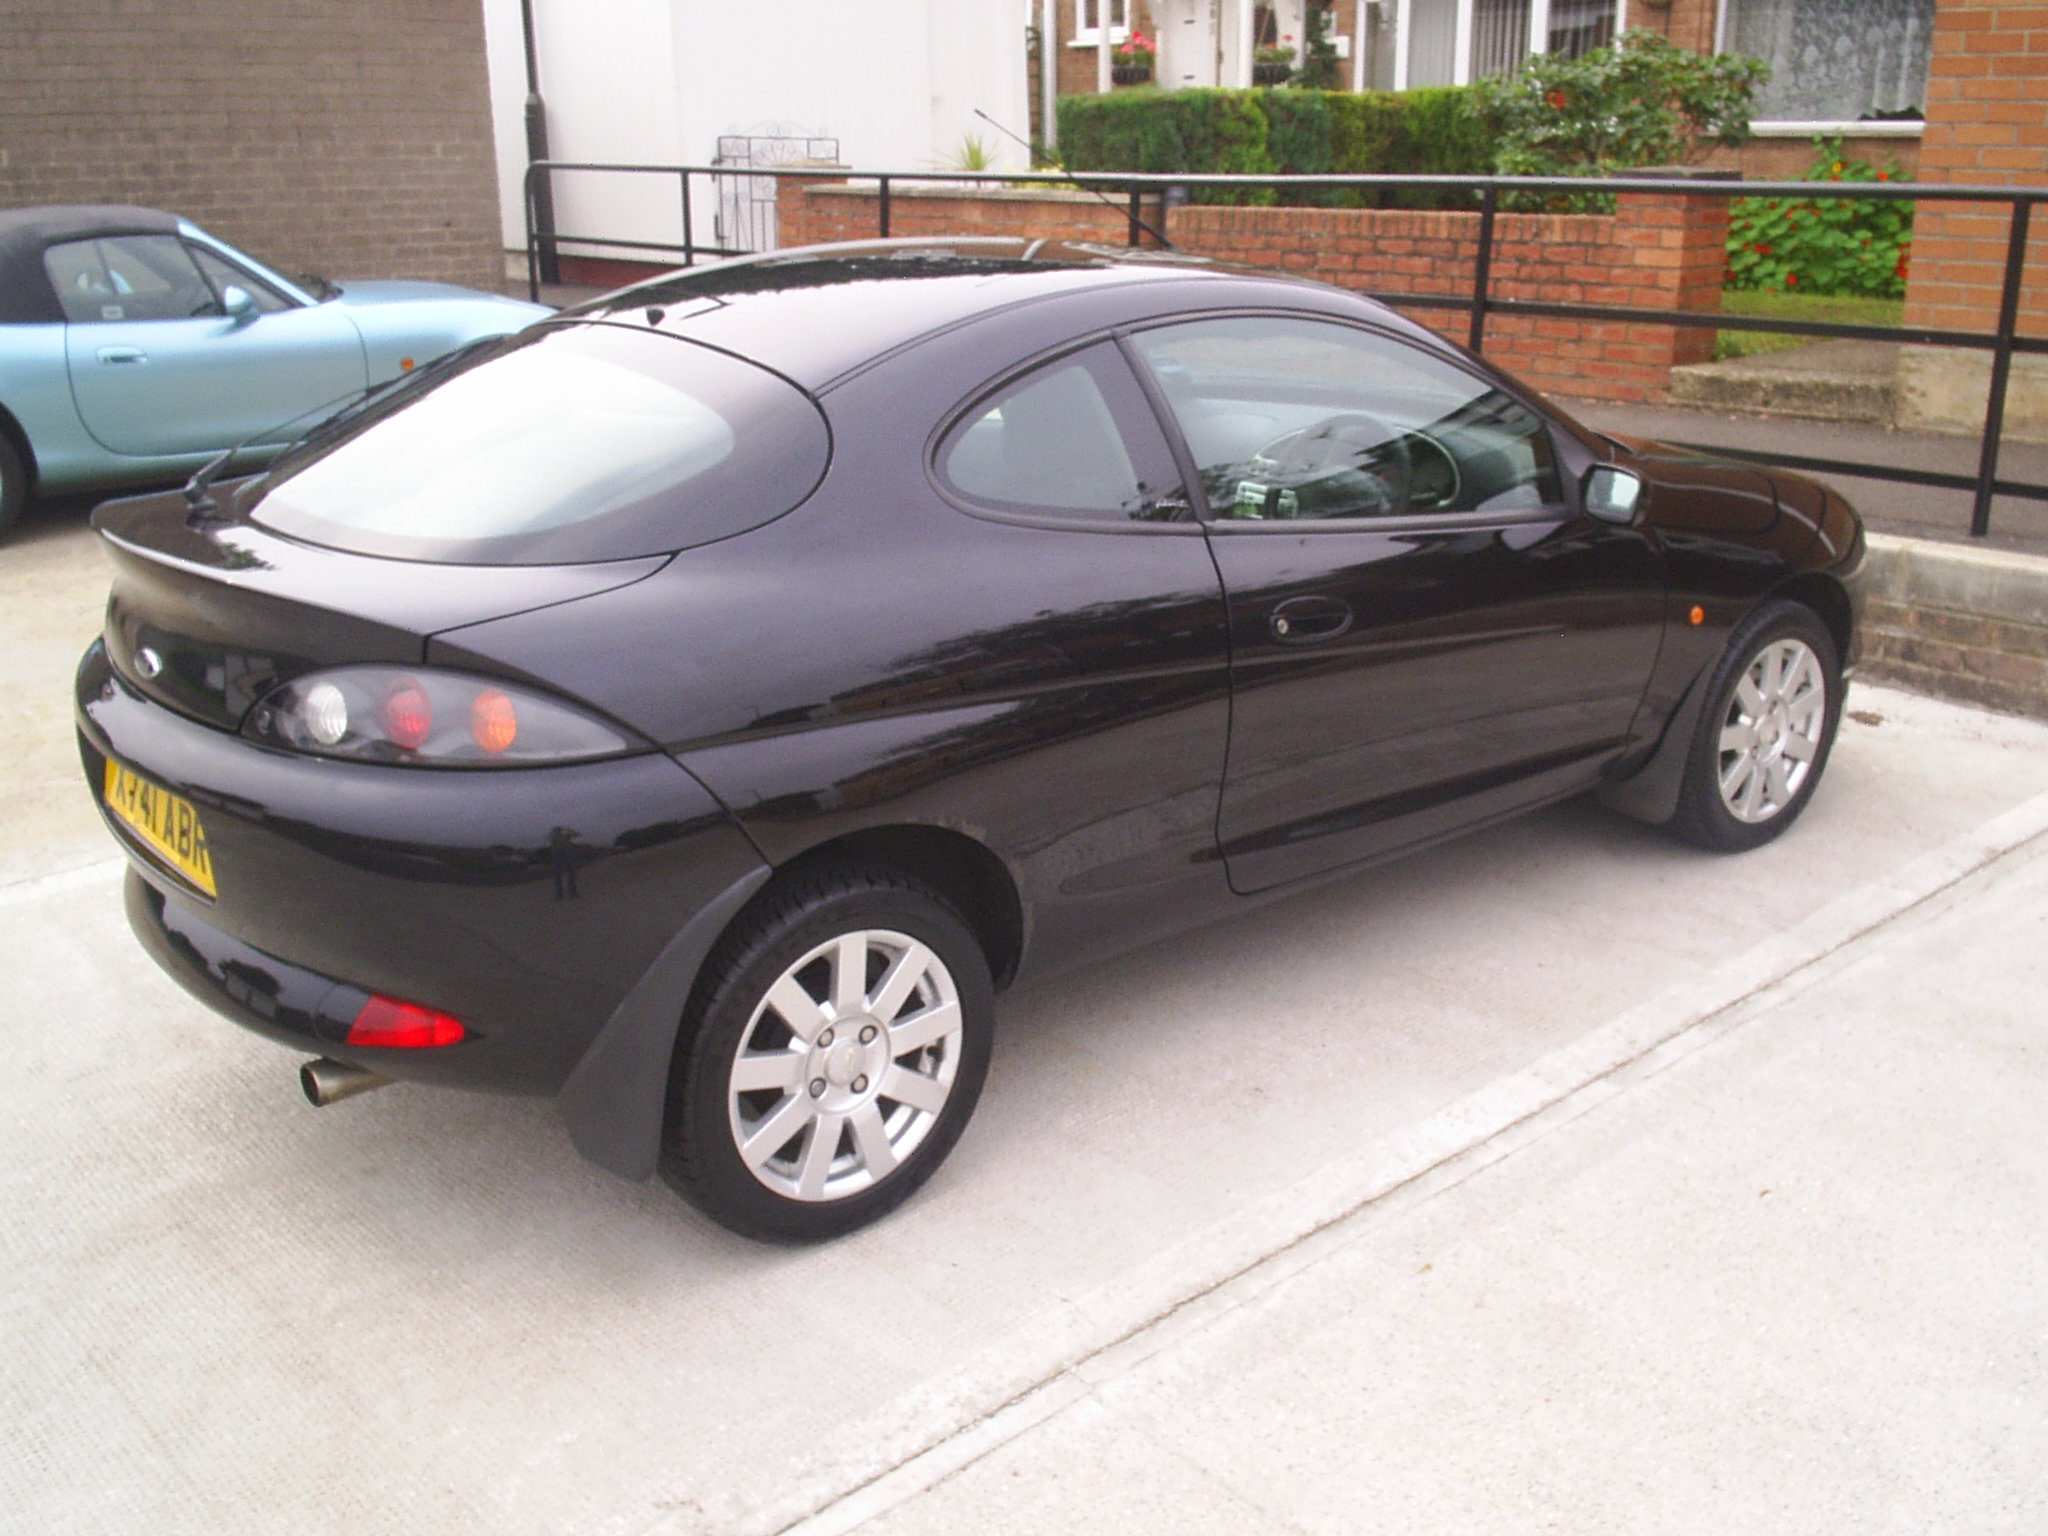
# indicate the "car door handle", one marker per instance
pixel 1305 620
pixel 123 355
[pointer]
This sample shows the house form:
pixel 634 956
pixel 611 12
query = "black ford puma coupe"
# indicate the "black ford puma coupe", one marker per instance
pixel 697 705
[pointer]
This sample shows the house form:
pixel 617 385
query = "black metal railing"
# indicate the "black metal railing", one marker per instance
pixel 1145 202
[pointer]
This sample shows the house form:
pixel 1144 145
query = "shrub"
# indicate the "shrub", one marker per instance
pixel 1823 245
pixel 1290 131
pixel 1214 131
pixel 1641 101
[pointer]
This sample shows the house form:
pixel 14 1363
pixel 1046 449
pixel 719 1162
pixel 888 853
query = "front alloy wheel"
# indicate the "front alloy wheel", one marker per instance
pixel 1772 705
pixel 1772 734
pixel 833 1058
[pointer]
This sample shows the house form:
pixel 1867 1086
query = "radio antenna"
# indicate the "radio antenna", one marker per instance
pixel 1097 192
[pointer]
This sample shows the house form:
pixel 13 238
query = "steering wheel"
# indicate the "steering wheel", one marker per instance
pixel 1352 464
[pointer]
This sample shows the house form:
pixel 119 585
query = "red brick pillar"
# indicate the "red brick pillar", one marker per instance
pixel 804 220
pixel 1987 123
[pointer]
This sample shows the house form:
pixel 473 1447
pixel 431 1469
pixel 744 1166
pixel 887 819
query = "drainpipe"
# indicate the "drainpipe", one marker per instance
pixel 1048 72
pixel 537 149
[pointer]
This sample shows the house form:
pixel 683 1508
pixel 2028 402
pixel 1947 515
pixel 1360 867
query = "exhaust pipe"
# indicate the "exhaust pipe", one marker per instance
pixel 326 1080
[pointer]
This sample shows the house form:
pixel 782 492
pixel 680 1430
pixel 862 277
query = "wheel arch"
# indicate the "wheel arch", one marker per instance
pixel 11 429
pixel 967 873
pixel 1829 601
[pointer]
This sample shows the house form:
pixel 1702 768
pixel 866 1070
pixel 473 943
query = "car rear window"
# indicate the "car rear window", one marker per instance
pixel 560 445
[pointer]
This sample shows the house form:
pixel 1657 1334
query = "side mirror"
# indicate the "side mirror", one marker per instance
pixel 239 302
pixel 1611 494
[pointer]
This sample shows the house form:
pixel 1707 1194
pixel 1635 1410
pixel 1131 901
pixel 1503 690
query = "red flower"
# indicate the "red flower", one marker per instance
pixel 1762 248
pixel 1556 99
pixel 1791 278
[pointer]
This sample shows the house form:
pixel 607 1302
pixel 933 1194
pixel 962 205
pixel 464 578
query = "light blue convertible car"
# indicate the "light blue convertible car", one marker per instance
pixel 134 347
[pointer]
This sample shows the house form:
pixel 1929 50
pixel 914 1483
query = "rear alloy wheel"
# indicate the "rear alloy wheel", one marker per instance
pixel 834 1060
pixel 1763 739
pixel 13 484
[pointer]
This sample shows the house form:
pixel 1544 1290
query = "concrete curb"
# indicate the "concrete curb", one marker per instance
pixel 1959 622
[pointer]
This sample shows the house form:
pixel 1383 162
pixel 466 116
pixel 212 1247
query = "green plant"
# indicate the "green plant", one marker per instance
pixel 1791 304
pixel 1640 101
pixel 972 153
pixel 1135 50
pixel 1274 53
pixel 1826 245
pixel 1318 70
pixel 1262 132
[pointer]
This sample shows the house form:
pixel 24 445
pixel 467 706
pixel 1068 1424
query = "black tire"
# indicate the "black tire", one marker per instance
pixel 1763 737
pixel 757 1159
pixel 13 484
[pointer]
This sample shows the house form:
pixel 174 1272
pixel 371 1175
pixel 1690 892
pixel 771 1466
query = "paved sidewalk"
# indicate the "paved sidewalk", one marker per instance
pixel 1785 1272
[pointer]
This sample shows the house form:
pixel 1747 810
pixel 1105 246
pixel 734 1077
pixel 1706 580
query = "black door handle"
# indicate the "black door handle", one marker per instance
pixel 1305 620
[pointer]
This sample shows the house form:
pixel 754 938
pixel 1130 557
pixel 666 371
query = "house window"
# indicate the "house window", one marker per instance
pixel 1088 20
pixel 1834 61
pixel 1454 42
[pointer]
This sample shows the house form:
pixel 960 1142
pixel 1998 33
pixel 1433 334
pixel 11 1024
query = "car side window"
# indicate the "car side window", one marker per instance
pixel 1072 438
pixel 1297 419
pixel 222 273
pixel 128 277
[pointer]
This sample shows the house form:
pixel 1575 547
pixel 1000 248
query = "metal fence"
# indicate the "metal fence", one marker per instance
pixel 1146 201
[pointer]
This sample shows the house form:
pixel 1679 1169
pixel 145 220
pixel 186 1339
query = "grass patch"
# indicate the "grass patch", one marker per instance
pixel 1776 304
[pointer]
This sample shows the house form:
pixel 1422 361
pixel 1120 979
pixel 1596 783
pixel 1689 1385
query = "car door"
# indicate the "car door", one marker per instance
pixel 1426 632
pixel 158 367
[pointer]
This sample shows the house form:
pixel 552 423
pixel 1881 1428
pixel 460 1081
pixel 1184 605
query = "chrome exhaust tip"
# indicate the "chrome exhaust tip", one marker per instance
pixel 325 1081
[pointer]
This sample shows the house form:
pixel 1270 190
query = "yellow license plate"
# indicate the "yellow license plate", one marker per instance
pixel 164 821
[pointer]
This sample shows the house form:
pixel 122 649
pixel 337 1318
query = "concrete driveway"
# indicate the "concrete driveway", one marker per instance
pixel 1122 1304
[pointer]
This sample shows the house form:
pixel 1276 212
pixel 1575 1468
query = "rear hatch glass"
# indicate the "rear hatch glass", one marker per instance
pixel 562 444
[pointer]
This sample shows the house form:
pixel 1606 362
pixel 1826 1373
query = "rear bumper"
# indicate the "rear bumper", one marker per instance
pixel 527 903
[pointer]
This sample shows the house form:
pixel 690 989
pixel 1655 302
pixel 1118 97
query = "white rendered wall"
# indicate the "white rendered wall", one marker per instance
pixel 896 82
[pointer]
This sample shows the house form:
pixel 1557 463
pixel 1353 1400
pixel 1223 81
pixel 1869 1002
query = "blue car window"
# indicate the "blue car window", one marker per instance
pixel 221 273
pixel 128 277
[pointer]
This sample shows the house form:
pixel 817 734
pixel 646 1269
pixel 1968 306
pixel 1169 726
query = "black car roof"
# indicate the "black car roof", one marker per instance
pixel 815 312
pixel 25 293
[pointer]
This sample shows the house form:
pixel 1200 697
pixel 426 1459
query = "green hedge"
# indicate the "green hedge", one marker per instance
pixel 1287 132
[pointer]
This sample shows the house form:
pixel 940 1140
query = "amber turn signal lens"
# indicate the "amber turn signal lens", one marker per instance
pixel 493 721
pixel 1698 614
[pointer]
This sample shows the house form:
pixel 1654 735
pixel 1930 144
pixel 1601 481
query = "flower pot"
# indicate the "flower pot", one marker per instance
pixel 1130 74
pixel 1271 74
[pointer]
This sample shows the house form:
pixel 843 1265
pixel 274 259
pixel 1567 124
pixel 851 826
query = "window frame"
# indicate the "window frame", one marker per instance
pixel 1807 128
pixel 1131 428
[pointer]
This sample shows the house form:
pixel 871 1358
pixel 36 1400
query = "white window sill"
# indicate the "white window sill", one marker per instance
pixel 1907 129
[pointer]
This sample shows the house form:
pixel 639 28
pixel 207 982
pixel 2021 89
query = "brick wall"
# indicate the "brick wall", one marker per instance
pixel 1987 122
pixel 1656 253
pixel 1958 622
pixel 342 139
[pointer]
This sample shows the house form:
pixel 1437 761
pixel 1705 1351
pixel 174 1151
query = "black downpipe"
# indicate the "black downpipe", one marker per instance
pixel 541 193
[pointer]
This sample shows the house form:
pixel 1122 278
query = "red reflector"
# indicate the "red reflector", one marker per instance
pixel 387 1021
pixel 408 715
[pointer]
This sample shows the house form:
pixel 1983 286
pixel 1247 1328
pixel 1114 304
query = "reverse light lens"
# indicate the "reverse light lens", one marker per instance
pixel 326 713
pixel 387 1021
pixel 428 719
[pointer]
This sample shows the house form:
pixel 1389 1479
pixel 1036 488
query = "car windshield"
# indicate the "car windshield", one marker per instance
pixel 564 444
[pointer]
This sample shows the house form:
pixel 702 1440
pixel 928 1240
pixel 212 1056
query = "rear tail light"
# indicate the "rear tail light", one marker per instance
pixel 429 718
pixel 387 1021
